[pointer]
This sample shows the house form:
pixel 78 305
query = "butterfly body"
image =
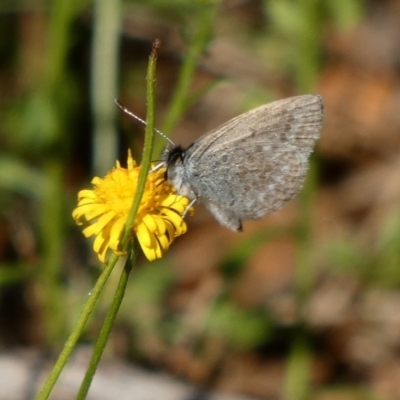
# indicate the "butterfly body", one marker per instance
pixel 251 165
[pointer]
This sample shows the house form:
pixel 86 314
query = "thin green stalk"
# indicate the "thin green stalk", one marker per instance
pixel 104 82
pixel 308 48
pixel 119 294
pixel 62 13
pixel 308 44
pixel 179 103
pixel 51 227
pixel 297 380
pixel 148 143
pixel 78 329
pixel 107 326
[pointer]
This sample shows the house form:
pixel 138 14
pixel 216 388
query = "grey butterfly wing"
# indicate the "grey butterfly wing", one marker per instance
pixel 295 119
pixel 256 162
pixel 251 188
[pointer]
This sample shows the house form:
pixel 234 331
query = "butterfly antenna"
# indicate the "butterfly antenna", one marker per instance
pixel 125 110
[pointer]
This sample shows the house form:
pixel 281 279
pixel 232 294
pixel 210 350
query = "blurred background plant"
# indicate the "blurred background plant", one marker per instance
pixel 304 304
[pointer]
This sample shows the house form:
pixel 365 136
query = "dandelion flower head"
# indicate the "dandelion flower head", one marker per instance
pixel 104 211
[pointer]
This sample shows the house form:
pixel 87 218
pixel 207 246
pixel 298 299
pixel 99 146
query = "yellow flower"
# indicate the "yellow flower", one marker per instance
pixel 106 207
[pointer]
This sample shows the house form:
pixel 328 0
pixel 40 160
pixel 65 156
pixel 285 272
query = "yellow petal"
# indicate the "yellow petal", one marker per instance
pixel 90 211
pixel 152 251
pixel 85 200
pixel 85 193
pixel 77 214
pixel 99 242
pixel 99 225
pixel 161 228
pixel 115 233
pixel 172 216
pixel 164 242
pixel 170 230
pixel 104 220
pixel 102 253
pixel 157 249
pixel 149 253
pixel 182 228
pixel 97 181
pixel 145 237
pixel 150 223
pixel 90 230
pixel 175 199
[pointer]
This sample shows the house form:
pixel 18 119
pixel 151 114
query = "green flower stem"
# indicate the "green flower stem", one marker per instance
pixel 107 326
pixel 148 145
pixel 78 329
pixel 179 103
pixel 127 237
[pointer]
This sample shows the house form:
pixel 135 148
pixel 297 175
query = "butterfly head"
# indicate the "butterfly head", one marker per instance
pixel 175 173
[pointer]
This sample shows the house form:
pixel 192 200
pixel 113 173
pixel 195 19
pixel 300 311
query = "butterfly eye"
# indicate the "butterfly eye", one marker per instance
pixel 176 156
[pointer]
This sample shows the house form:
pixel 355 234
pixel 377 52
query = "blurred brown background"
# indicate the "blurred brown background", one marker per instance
pixel 305 303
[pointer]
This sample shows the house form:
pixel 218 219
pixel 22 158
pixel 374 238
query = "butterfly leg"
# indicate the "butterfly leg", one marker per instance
pixel 188 207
